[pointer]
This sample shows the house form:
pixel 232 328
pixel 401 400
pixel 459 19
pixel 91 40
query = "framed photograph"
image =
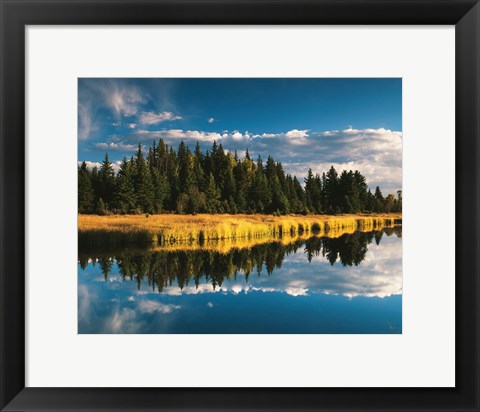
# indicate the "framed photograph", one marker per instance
pixel 240 206
pixel 208 229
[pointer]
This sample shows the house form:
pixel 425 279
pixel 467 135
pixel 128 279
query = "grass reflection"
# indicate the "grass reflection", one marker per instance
pixel 216 262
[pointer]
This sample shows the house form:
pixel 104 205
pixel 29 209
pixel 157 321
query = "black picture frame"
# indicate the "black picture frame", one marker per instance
pixel 16 14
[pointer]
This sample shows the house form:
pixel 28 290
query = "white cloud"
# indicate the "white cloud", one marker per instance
pixel 297 287
pixel 237 136
pixel 121 147
pixel 295 291
pixel 173 136
pixel 132 125
pixel 123 321
pixel 91 165
pixel 149 118
pixel 152 306
pixel 85 123
pixel 85 299
pixel 236 289
pixel 210 120
pixel 296 135
pixel 123 100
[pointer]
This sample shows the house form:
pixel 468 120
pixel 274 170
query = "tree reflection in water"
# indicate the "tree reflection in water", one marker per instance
pixel 162 269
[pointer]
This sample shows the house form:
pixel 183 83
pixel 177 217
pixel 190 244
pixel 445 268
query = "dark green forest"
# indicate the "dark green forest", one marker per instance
pixel 165 180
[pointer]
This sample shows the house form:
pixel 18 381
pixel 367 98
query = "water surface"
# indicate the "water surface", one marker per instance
pixel 350 284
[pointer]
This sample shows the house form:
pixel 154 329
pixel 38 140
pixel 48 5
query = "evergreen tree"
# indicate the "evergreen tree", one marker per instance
pixel 229 188
pixel 219 167
pixel 362 189
pixel 348 193
pixel 370 205
pixel 107 181
pixel 143 184
pixel 313 192
pixel 85 190
pixel 301 205
pixel 212 196
pixel 379 200
pixel 101 208
pixel 185 166
pixel 398 207
pixel 94 178
pixel 279 202
pixel 198 173
pixel 260 195
pixel 389 203
pixel 172 178
pixel 125 196
pixel 192 201
pixel 242 184
pixel 161 190
pixel 332 202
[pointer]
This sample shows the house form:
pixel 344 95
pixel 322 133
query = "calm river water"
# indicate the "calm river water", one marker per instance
pixel 351 284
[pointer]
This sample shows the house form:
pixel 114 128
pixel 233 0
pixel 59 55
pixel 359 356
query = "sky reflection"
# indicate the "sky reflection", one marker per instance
pixel 289 294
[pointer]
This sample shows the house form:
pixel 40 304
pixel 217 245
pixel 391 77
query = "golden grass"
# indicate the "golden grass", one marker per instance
pixel 169 230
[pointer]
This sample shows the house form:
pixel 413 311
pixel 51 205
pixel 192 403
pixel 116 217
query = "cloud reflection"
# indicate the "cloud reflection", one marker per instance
pixel 162 291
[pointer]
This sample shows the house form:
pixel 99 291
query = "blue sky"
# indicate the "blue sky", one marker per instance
pixel 350 123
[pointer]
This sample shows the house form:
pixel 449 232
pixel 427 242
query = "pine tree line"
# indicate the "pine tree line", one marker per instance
pixel 182 181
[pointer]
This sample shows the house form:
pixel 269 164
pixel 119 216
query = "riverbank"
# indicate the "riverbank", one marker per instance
pixel 171 229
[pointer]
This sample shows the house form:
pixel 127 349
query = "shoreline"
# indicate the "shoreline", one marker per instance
pixel 201 229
